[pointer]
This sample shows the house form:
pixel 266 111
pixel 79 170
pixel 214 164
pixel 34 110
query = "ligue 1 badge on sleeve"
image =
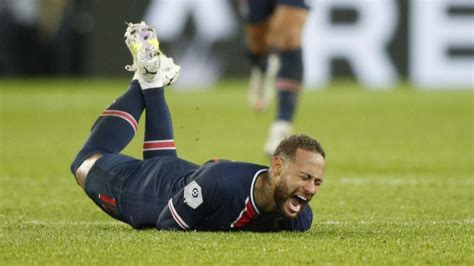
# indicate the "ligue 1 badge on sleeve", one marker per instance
pixel 193 195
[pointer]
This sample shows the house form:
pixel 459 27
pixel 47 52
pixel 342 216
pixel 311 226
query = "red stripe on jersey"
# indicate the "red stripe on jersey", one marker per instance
pixel 108 200
pixel 159 145
pixel 124 115
pixel 288 85
pixel 247 214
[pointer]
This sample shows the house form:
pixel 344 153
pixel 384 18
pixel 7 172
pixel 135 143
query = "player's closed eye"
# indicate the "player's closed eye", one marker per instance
pixel 305 177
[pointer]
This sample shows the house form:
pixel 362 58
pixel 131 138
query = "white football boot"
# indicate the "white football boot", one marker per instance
pixel 278 131
pixel 138 36
pixel 152 68
pixel 262 84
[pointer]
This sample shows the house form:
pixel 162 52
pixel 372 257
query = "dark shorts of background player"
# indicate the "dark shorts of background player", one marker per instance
pixel 257 11
pixel 135 191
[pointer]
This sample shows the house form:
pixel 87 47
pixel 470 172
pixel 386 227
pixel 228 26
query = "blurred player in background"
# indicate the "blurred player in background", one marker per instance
pixel 167 192
pixel 274 36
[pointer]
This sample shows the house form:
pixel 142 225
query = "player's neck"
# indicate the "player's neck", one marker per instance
pixel 263 193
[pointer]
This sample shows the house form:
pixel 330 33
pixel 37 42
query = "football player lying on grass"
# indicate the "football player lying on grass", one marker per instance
pixel 164 191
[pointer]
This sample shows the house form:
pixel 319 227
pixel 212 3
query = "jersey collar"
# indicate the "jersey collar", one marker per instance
pixel 252 198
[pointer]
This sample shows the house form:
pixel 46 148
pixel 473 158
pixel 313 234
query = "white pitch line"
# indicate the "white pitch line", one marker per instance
pixel 400 181
pixel 468 221
pixel 68 223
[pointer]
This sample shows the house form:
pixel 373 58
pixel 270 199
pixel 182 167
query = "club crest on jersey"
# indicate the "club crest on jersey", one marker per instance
pixel 193 195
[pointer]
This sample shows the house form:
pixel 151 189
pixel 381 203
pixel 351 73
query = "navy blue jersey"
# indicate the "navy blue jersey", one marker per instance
pixel 220 197
pixel 171 193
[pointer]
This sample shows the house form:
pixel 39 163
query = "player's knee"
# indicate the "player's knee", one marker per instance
pixel 257 39
pixel 76 163
pixel 81 167
pixel 287 38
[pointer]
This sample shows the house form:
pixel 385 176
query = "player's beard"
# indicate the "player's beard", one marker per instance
pixel 281 196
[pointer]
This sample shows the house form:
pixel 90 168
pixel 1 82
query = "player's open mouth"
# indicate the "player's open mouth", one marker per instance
pixel 296 202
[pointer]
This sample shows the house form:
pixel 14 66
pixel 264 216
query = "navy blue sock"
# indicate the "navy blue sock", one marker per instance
pixel 115 127
pixel 288 83
pixel 259 60
pixel 159 139
pixel 286 105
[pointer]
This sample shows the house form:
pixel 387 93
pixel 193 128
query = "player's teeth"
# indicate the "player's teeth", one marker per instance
pixel 301 197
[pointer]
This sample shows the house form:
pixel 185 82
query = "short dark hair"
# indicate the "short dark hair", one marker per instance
pixel 291 144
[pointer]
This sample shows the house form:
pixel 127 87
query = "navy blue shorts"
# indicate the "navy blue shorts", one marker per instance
pixel 135 191
pixel 257 11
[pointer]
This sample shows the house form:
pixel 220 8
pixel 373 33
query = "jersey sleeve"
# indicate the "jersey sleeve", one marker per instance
pixel 190 205
pixel 302 223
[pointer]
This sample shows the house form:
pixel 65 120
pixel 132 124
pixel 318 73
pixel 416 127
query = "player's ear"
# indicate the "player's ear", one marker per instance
pixel 277 165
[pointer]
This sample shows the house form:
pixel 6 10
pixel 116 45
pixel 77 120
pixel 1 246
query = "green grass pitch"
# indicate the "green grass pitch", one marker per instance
pixel 399 185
